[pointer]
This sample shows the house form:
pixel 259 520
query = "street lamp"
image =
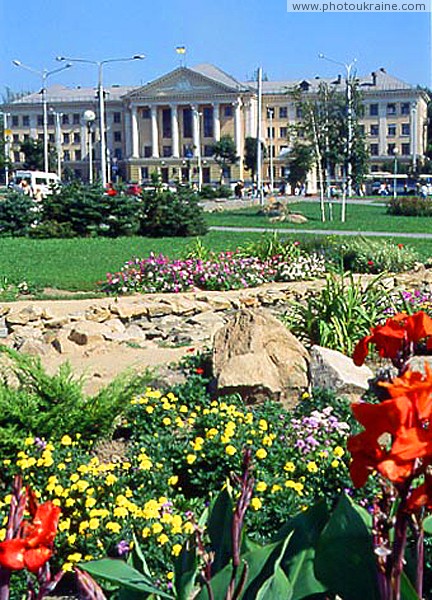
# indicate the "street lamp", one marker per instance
pixel 395 154
pixel 57 116
pixel 270 114
pixel 89 118
pixel 100 64
pixel 44 74
pixel 198 116
pixel 348 69
pixel 7 133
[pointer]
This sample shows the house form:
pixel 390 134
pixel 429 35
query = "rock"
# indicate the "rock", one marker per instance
pixel 219 302
pixel 24 316
pixel 115 325
pixel 4 310
pixel 34 348
pixel 296 218
pixel 134 333
pixel 127 310
pixel 98 314
pixel 257 357
pixel 62 343
pixel 182 306
pixel 84 333
pixel 208 320
pixel 56 322
pixel 332 369
pixel 158 309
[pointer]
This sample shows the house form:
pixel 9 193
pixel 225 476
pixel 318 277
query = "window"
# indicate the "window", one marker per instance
pixel 144 173
pixel 405 108
pixel 40 120
pixel 226 172
pixel 283 132
pixel 406 129
pixel 117 117
pixel 187 122
pixel 188 151
pixel 40 137
pixel 16 138
pixel 166 123
pixel 76 119
pixel 66 138
pixel 117 136
pixel 284 172
pixel 374 130
pixel 147 151
pixel 373 110
pixel 51 138
pixel 406 150
pixel 208 150
pixel 78 173
pixel 26 121
pixel 299 112
pixel 373 149
pixel 15 122
pixel 17 157
pixel 206 175
pixel 166 151
pixel 283 112
pixel 146 113
pixel 375 168
pixel 391 130
pixel 228 110
pixel 77 138
pixel 391 149
pixel 208 121
pixel 391 108
pixel 51 120
pixel 65 119
pixel 26 137
pixel 118 153
pixel 66 155
pixel 77 154
pixel 270 132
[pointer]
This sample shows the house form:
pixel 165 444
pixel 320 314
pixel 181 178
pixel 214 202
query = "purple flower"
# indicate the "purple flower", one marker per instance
pixel 123 548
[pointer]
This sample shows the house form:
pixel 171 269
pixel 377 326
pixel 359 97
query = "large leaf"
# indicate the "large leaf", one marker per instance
pixel 407 589
pixel 427 525
pixel 299 558
pixel 277 586
pixel 185 569
pixel 219 529
pixel 118 572
pixel 344 559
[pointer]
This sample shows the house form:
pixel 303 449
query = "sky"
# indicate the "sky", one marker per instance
pixel 236 35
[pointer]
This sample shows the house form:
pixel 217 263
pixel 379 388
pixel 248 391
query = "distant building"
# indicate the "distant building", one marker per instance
pixel 159 126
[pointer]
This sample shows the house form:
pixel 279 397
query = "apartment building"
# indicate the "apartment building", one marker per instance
pixel 171 123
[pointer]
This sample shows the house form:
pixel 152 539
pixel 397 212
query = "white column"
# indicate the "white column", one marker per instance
pixel 135 140
pixel 250 118
pixel 196 130
pixel 175 131
pixel 413 133
pixel 237 127
pixel 33 126
pixel 216 121
pixel 83 137
pixel 155 132
pixel 128 133
pixel 382 112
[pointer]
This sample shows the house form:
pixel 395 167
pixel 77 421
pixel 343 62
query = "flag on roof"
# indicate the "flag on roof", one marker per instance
pixel 181 49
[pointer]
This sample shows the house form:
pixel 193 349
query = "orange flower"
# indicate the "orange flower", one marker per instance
pixel 390 338
pixel 33 548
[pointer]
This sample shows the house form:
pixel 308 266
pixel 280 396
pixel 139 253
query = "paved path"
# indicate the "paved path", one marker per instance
pixel 419 236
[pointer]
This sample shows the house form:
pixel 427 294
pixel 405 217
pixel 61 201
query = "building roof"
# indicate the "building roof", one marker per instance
pixel 60 93
pixel 213 72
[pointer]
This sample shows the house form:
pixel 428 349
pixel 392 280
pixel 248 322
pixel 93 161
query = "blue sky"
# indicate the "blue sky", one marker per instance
pixel 236 35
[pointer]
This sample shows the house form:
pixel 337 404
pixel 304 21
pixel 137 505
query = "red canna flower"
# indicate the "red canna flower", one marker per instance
pixel 199 371
pixel 33 548
pixel 390 338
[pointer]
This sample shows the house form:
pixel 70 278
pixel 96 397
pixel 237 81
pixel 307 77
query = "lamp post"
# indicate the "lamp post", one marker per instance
pixel 100 64
pixel 89 118
pixel 348 70
pixel 44 74
pixel 7 138
pixel 395 154
pixel 57 116
pixel 270 114
pixel 198 116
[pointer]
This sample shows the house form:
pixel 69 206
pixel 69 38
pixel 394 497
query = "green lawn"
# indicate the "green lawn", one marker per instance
pixel 368 217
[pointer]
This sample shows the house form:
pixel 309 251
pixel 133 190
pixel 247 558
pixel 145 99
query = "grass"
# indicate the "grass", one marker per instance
pixel 369 217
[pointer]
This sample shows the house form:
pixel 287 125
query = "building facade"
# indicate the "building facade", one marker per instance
pixel 171 124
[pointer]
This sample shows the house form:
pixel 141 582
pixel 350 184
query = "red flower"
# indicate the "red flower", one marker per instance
pixel 199 371
pixel 33 548
pixel 390 338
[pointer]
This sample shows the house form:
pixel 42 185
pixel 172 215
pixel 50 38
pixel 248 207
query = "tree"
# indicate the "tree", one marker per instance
pixel 300 161
pixel 33 151
pixel 225 153
pixel 250 155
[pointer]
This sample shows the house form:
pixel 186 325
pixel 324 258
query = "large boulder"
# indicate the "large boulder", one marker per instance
pixel 256 356
pixel 333 370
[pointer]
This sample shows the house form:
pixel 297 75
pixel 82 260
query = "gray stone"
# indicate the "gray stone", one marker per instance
pixel 257 357
pixel 134 333
pixel 88 332
pixel 34 348
pixel 24 315
pixel 332 369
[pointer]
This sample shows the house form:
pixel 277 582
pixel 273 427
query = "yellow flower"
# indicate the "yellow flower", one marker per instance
pixel 157 528
pixel 72 539
pixel 120 512
pixel 64 525
pixel 173 480
pixel 230 450
pixel 67 567
pixel 312 467
pixel 256 503
pixel 110 479
pixel 263 425
pixel 276 488
pixel 188 528
pixel 261 486
pixel 75 557
pixel 176 549
pixel 289 466
pixel 149 409
pixel 211 433
pixel 66 440
pixel 183 408
pixel 114 527
pixel 166 421
pixel 170 575
pixel 261 453
pixel 338 452
pixel 191 458
pixel 93 524
pixel 335 463
pixel 146 532
pixel 197 444
pixel 305 395
pixel 162 539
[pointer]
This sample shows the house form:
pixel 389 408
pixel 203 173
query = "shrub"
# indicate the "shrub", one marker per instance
pixel 341 313
pixel 166 213
pixel 410 206
pixel 17 214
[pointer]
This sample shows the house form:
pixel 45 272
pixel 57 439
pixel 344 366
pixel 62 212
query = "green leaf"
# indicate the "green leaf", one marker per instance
pixel 277 586
pixel 298 561
pixel 427 525
pixel 125 576
pixel 407 589
pixel 138 556
pixel 185 569
pixel 219 530
pixel 344 559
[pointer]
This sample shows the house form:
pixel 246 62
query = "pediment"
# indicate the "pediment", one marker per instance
pixel 181 82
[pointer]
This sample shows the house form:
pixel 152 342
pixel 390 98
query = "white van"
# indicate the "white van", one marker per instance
pixel 40 182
